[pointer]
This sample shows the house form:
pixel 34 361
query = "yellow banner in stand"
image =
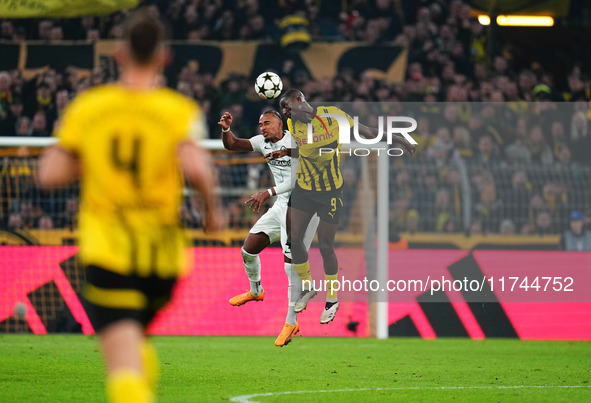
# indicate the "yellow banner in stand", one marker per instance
pixel 61 8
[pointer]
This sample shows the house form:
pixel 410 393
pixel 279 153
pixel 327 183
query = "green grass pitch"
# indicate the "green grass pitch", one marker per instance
pixel 216 369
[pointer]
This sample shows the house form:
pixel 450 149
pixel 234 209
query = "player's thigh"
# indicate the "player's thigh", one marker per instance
pixel 299 222
pixel 270 225
pixel 112 297
pixel 301 209
pixel 326 234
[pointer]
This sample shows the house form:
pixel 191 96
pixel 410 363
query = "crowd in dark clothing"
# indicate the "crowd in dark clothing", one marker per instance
pixel 522 135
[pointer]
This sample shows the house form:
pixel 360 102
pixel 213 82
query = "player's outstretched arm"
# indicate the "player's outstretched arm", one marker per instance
pixel 292 152
pixel 372 133
pixel 57 167
pixel 231 142
pixel 195 164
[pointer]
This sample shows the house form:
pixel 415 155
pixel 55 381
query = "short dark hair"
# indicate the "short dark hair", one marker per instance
pixel 274 112
pixel 292 93
pixel 144 34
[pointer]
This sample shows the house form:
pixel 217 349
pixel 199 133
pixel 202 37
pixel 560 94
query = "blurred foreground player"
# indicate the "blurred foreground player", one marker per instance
pixel 272 225
pixel 130 141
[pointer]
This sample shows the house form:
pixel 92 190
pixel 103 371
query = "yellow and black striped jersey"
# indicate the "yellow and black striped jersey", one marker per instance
pixel 131 185
pixel 319 171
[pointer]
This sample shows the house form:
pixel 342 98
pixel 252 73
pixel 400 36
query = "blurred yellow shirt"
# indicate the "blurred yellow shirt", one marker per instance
pixel 131 186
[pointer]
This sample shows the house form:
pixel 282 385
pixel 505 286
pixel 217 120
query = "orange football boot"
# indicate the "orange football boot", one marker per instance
pixel 246 297
pixel 286 334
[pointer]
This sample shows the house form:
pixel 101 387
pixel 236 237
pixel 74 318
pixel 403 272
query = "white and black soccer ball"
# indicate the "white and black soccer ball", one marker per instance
pixel 268 85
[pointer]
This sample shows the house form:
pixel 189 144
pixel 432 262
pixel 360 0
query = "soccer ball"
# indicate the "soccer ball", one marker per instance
pixel 268 85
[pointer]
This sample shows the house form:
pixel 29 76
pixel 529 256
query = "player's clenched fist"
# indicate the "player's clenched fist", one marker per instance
pixel 225 121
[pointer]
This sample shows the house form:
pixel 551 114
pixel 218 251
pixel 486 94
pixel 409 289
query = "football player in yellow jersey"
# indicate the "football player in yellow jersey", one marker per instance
pixel 317 191
pixel 131 141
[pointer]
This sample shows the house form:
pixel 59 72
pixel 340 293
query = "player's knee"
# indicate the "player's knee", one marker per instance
pixel 326 249
pixel 297 245
pixel 248 257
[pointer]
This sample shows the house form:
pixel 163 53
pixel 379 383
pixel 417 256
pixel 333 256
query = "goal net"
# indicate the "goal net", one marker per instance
pixel 41 278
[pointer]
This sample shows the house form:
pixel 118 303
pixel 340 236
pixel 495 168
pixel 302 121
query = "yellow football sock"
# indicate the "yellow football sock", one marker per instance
pixel 126 386
pixel 151 363
pixel 331 280
pixel 303 271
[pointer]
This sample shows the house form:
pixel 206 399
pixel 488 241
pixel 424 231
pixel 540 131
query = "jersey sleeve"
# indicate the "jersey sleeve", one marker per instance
pixel 68 132
pixel 257 143
pixel 285 186
pixel 290 141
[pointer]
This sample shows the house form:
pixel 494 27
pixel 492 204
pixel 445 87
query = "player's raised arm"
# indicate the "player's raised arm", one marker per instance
pixel 60 164
pixel 196 166
pixel 372 133
pixel 231 142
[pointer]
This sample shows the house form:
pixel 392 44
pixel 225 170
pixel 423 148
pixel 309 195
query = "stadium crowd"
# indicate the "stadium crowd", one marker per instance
pixel 525 152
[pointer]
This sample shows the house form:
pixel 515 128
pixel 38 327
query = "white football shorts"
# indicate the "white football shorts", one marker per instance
pixel 273 223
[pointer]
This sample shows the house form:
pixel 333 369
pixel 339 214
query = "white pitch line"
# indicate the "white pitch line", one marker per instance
pixel 246 398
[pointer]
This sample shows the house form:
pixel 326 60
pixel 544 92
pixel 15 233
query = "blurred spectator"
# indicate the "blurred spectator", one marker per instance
pixel 45 222
pixel 398 214
pixel 191 213
pixel 9 123
pixel 536 205
pixel 486 150
pixel 451 226
pixel 424 196
pixel 576 237
pixel 544 223
pixel 42 100
pixel 558 137
pixel 5 91
pixel 62 99
pixel 453 182
pixel 15 221
pixel 40 125
pixel 23 126
pixel 540 152
pixel 488 210
pixel 403 186
pixel 475 228
pixel 507 228
pixel 518 153
pixel 461 139
pixel 442 211
pixel 412 225
pixel 563 159
pixel 517 198
pixel 555 199
pixel 56 34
